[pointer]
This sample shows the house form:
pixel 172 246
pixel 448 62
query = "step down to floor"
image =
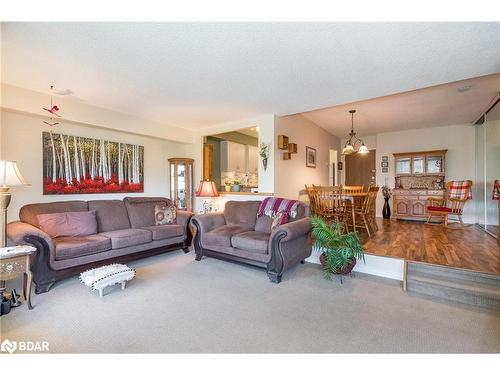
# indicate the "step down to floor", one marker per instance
pixel 472 288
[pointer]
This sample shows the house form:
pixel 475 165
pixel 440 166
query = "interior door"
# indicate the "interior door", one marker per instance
pixel 360 169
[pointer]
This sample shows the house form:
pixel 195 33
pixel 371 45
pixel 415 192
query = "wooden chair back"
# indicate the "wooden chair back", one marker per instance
pixel 370 200
pixel 330 202
pixel 353 189
pixel 312 198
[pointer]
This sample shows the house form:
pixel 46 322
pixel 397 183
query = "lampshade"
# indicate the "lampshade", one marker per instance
pixel 207 189
pixel 363 150
pixel 348 150
pixel 10 175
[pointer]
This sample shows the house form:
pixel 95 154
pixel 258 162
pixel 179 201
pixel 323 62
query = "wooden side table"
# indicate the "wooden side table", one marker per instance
pixel 14 262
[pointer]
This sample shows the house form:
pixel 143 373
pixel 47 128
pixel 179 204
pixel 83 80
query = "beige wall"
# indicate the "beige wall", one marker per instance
pixel 21 137
pixel 459 140
pixel 291 175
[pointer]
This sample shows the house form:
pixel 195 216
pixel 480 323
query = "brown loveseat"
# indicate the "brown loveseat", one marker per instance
pixel 237 234
pixel 126 231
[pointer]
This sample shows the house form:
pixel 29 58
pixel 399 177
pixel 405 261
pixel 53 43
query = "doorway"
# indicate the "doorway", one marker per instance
pixel 333 168
pixel 360 169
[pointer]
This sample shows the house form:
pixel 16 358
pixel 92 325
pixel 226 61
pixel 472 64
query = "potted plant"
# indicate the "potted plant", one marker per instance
pixel 339 251
pixel 236 186
pixel 387 193
pixel 264 150
pixel 227 186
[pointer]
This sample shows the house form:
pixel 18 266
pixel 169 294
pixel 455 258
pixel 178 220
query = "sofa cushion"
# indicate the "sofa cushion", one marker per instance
pixel 251 241
pixel 221 236
pixel 111 214
pixel 128 237
pixel 74 224
pixel 161 232
pixel 241 213
pixel 29 213
pixel 74 247
pixel 263 224
pixel 141 210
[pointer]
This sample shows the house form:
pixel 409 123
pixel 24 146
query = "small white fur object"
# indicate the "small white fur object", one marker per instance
pixel 99 278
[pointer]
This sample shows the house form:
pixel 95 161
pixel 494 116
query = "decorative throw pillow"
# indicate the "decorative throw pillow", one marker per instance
pixel 279 219
pixel 73 224
pixel 165 214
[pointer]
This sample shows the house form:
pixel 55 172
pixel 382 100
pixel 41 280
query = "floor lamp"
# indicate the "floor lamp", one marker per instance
pixel 9 176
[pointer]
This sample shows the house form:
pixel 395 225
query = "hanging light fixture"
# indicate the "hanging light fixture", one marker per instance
pixel 351 143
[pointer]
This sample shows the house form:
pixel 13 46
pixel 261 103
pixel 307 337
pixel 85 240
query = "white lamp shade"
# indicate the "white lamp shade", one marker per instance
pixel 10 175
pixel 363 150
pixel 348 150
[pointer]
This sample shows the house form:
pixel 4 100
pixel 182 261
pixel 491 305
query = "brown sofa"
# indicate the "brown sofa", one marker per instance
pixel 237 234
pixel 126 231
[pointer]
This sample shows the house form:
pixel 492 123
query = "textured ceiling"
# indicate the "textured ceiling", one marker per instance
pixel 433 106
pixel 199 74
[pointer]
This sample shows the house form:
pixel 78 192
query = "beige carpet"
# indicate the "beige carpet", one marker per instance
pixel 176 304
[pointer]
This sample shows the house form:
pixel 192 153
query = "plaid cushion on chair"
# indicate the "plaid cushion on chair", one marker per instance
pixel 496 190
pixel 460 190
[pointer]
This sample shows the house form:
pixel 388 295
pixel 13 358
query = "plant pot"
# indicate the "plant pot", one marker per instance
pixel 236 188
pixel 5 306
pixel 227 187
pixel 264 163
pixel 345 271
pixel 386 211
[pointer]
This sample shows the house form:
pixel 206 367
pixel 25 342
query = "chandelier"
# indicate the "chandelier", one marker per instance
pixel 351 143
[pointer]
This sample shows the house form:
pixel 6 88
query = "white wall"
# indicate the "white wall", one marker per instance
pixel 291 175
pixel 21 140
pixel 459 140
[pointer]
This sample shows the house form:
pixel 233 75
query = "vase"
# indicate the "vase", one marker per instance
pixel 264 163
pixel 386 212
pixel 236 188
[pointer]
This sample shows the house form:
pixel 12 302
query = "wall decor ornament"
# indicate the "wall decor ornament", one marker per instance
pixel 80 165
pixel 264 151
pixel 282 142
pixel 310 157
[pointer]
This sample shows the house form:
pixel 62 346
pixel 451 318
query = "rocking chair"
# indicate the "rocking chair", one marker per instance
pixel 451 207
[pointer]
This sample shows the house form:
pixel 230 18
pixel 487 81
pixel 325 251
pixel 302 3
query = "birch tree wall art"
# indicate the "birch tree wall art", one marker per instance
pixel 78 165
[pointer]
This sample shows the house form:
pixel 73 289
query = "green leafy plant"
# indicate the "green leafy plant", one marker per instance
pixel 236 182
pixel 339 249
pixel 264 150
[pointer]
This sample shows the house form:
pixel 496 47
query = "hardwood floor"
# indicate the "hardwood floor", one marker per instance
pixel 468 248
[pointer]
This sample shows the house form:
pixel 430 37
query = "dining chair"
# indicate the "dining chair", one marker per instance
pixel 331 204
pixel 312 198
pixel 366 211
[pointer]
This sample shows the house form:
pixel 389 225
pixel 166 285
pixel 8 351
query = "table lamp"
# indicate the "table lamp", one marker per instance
pixel 207 189
pixel 9 176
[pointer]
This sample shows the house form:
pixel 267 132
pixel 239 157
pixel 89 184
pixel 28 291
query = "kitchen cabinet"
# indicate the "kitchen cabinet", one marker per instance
pixel 403 165
pixel 237 157
pixel 233 157
pixel 253 159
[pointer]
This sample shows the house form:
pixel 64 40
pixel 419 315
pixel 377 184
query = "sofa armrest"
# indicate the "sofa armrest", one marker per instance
pixel 20 233
pixel 210 221
pixel 43 274
pixel 289 244
pixel 292 230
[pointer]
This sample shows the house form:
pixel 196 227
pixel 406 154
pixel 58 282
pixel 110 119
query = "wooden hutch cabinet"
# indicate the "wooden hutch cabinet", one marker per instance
pixel 418 176
pixel 181 183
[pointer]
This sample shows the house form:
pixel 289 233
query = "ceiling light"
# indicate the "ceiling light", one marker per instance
pixel 349 147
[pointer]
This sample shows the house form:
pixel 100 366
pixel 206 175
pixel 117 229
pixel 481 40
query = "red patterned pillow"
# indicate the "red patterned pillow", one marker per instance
pixel 280 218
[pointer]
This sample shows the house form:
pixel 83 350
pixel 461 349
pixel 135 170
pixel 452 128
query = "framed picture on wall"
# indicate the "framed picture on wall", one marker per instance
pixel 385 164
pixel 310 157
pixel 340 165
